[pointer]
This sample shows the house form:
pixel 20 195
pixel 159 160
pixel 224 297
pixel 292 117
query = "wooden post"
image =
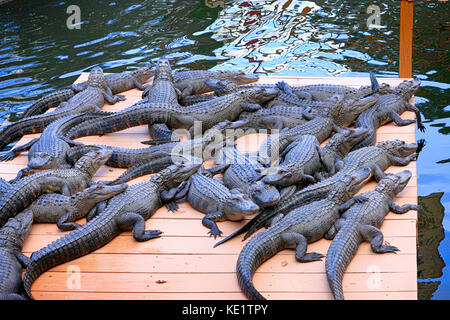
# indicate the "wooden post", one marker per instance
pixel 406 38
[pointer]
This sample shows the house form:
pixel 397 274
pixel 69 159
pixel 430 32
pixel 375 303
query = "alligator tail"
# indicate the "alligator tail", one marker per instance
pixel 259 249
pixel 341 251
pixel 374 82
pixel 82 241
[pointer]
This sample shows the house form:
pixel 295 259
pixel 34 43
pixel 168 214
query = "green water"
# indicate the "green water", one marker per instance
pixel 38 54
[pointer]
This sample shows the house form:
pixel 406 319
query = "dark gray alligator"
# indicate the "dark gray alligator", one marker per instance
pixel 378 158
pixel 205 114
pixel 389 108
pixel 126 211
pixel 49 151
pixel 12 260
pixel 67 181
pixel 162 90
pixel 299 227
pixel 65 210
pixel 90 99
pixel 322 92
pixel 117 82
pixel 361 221
pixel 305 159
pixel 193 82
pixel 242 173
pixel 210 196
pixel 277 117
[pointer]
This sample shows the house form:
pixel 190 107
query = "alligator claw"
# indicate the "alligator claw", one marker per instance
pixel 8 156
pixel 311 256
pixel 421 127
pixel 215 232
pixel 121 97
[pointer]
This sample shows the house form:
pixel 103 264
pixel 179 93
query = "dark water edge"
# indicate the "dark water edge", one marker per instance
pixel 39 54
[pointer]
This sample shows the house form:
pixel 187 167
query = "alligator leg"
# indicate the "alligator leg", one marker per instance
pixel 65 223
pixel 111 98
pixel 375 236
pixel 22 173
pixel 138 85
pixel 16 151
pixel 251 107
pixel 77 87
pixel 299 242
pixel 272 122
pixel 356 199
pixel 416 110
pixel 396 161
pixel 134 221
pixel 23 259
pixel 12 296
pixel 399 120
pixel 334 229
pixel 275 220
pixel 96 210
pixel 208 222
pixel 402 209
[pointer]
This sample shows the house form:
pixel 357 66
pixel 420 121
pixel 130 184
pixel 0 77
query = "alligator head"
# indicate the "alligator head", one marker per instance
pixel 350 109
pixel 93 160
pixel 398 148
pixel 99 192
pixel 143 74
pixel 260 95
pixel 239 205
pixel 16 229
pixel 407 88
pixel 353 183
pixel 163 71
pixel 344 140
pixel 43 160
pixel 96 78
pixel 177 173
pixel 282 176
pixel 264 195
pixel 243 78
pixel 393 184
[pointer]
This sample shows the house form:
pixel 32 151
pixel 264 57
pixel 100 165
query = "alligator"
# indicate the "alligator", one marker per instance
pixel 66 181
pixel 49 151
pixel 65 210
pixel 242 173
pixel 126 211
pixel 211 196
pixel 90 99
pixel 274 145
pixel 193 82
pixel 304 159
pixel 378 158
pixel 389 108
pixel 201 147
pixel 162 90
pixel 117 82
pixel 5 185
pixel 299 227
pixel 207 114
pixel 277 117
pixel 320 92
pixel 361 221
pixel 12 260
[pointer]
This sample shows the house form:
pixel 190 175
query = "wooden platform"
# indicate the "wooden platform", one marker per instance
pixel 183 264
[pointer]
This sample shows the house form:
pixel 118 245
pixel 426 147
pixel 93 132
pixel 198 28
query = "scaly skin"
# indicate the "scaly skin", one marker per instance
pixel 322 92
pixel 299 227
pixel 49 151
pixel 67 181
pixel 48 101
pixel 64 210
pixel 361 221
pixel 162 90
pixel 193 82
pixel 208 114
pixel 90 99
pixel 12 261
pixel 277 117
pixel 378 158
pixel 389 108
pixel 243 174
pixel 126 211
pixel 210 196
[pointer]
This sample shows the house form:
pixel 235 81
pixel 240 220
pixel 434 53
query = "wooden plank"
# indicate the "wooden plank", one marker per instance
pixel 184 256
pixel 406 38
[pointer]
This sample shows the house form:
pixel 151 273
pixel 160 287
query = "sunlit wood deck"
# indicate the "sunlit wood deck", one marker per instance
pixel 183 264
